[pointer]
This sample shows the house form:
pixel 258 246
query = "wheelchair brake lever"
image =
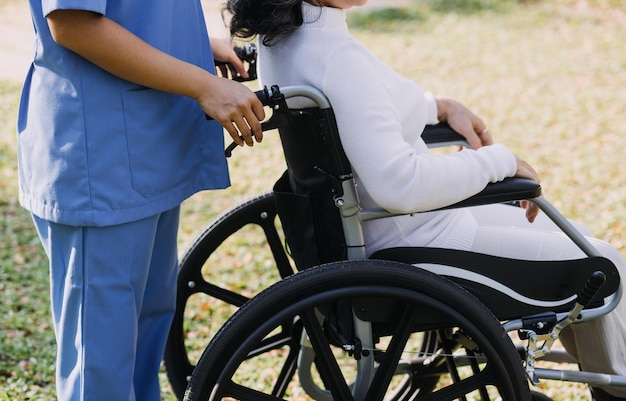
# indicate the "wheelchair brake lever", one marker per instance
pixel 591 288
pixel 534 350
pixel 586 295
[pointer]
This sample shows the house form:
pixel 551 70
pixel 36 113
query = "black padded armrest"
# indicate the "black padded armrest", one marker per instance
pixel 441 133
pixel 508 190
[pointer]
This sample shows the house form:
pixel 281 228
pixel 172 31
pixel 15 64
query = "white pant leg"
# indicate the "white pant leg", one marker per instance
pixel 599 345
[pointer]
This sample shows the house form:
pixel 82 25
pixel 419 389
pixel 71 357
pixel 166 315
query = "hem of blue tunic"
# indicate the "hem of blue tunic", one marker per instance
pixel 101 218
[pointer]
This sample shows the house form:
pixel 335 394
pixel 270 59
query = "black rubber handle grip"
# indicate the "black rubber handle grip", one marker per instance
pixel 591 288
pixel 263 96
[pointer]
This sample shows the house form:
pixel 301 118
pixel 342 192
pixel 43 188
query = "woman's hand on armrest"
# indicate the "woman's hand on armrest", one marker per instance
pixel 464 121
pixel 467 123
pixel 524 170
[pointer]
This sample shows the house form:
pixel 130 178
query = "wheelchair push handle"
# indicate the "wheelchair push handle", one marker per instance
pixel 264 96
pixel 280 116
pixel 246 53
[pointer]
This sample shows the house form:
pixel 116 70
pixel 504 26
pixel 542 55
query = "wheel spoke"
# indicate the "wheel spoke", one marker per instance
pixel 387 367
pixel 325 360
pixel 278 250
pixel 243 393
pixel 461 388
pixel 288 337
pixel 222 294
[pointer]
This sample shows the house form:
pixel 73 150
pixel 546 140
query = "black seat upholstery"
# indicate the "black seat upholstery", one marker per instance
pixel 511 288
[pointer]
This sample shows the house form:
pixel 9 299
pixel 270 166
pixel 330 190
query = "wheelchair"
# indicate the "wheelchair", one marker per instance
pixel 331 323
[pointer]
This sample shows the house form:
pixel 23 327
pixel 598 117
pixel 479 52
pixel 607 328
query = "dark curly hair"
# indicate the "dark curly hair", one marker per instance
pixel 273 19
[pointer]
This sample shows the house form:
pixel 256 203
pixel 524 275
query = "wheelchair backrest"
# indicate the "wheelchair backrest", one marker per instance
pixel 316 165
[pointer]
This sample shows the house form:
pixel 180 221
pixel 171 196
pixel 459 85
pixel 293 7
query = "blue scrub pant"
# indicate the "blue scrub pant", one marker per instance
pixel 113 294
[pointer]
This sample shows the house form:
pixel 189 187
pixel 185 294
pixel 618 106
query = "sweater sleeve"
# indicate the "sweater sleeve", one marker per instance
pixel 431 116
pixel 400 175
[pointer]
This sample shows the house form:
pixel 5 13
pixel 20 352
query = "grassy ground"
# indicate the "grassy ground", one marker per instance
pixel 548 77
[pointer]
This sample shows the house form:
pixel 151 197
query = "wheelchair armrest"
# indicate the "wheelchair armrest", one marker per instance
pixel 508 190
pixel 441 134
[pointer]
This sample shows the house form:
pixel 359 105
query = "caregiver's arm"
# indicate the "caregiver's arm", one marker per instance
pixel 118 51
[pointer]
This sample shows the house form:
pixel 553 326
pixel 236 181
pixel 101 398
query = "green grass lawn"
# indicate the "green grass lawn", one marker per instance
pixel 549 79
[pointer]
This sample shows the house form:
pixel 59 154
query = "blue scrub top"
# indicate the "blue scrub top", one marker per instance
pixel 94 149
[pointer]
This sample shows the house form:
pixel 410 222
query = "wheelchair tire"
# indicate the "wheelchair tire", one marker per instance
pixel 199 276
pixel 255 354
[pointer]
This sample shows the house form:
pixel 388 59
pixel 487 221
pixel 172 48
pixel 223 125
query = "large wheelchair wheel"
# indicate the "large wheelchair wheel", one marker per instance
pixel 243 241
pixel 318 315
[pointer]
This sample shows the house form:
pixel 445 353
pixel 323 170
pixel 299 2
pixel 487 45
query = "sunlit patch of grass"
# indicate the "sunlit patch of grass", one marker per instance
pixel 546 81
pixel 469 6
pixel 386 18
pixel 390 19
pixel 27 346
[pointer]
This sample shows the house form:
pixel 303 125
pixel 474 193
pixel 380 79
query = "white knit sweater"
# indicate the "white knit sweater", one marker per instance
pixel 380 116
